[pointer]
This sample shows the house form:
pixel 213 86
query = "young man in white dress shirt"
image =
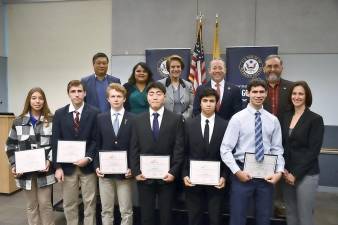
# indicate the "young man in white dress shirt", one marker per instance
pixel 252 130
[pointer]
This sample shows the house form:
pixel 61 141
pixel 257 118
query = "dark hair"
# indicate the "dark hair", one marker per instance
pixel 256 83
pixel 99 55
pixel 75 83
pixel 45 111
pixel 272 57
pixel 174 58
pixel 132 79
pixel 206 92
pixel 157 85
pixel 308 94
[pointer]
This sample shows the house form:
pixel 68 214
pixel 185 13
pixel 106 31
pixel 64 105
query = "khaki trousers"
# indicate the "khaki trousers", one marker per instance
pixel 71 192
pixel 109 187
pixel 39 204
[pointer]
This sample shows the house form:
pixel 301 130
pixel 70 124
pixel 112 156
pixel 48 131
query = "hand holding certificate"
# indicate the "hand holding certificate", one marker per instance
pixel 70 151
pixel 114 162
pixel 30 160
pixel 260 169
pixel 205 172
pixel 154 167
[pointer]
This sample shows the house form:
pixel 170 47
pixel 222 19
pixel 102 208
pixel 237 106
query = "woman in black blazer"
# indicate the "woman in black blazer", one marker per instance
pixel 302 132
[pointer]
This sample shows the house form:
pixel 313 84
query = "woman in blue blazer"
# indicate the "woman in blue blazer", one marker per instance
pixel 179 97
pixel 303 132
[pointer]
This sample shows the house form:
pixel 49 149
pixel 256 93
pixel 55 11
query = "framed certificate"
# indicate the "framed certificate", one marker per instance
pixel 113 162
pixel 154 167
pixel 70 151
pixel 260 169
pixel 30 160
pixel 205 172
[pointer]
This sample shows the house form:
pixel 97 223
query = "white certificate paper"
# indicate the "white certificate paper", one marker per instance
pixel 205 172
pixel 30 160
pixel 154 167
pixel 113 162
pixel 70 151
pixel 260 169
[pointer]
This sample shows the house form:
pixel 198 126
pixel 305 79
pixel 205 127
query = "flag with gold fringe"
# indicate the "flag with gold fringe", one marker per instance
pixel 216 51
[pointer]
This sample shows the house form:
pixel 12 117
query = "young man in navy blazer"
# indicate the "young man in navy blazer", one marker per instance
pixel 157 132
pixel 203 138
pixel 76 122
pixel 230 98
pixel 97 83
pixel 113 134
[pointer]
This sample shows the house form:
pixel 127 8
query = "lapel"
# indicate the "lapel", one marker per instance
pixel 91 86
pixel 197 127
pixel 69 120
pixel 147 131
pixel 182 90
pixel 123 124
pixel 215 130
pixel 83 119
pixel 170 92
pixel 299 122
pixel 164 124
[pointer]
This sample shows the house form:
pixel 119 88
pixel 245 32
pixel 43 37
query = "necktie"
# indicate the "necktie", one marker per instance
pixel 116 123
pixel 259 148
pixel 156 127
pixel 206 133
pixel 76 122
pixel 218 90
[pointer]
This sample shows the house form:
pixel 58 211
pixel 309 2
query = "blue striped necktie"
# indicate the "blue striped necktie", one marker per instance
pixel 259 148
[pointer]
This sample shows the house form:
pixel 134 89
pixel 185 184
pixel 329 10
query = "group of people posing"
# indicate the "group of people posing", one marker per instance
pixel 166 118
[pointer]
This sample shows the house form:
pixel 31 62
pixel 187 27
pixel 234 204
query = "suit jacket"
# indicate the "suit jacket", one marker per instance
pixel 302 147
pixel 89 83
pixel 63 130
pixel 106 140
pixel 195 148
pixel 284 104
pixel 186 96
pixel 170 141
pixel 231 101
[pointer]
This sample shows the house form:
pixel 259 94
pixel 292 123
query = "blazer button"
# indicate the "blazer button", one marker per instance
pixel 115 142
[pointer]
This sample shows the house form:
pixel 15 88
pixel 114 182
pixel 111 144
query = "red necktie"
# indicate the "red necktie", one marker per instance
pixel 76 122
pixel 218 90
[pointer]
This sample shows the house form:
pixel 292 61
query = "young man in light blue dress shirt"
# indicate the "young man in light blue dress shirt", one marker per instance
pixel 245 134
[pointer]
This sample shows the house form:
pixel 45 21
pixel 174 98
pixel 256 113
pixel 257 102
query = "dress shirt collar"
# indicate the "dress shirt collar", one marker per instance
pixel 72 108
pixel 160 111
pixel 204 118
pixel 213 84
pixel 112 112
pixel 252 110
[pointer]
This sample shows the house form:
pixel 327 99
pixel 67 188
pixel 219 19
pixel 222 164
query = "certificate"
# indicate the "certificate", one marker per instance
pixel 205 172
pixel 154 167
pixel 30 160
pixel 70 151
pixel 113 162
pixel 260 169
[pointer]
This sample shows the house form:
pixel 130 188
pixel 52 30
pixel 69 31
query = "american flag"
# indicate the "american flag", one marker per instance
pixel 197 74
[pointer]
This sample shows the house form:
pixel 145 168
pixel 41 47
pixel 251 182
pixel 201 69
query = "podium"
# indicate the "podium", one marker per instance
pixel 7 182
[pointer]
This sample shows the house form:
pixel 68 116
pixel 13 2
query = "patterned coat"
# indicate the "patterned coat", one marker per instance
pixel 23 136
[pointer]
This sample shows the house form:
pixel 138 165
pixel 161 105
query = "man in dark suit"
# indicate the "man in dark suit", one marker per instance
pixel 76 122
pixel 230 99
pixel 277 100
pixel 97 83
pixel 203 138
pixel 277 103
pixel 113 134
pixel 157 132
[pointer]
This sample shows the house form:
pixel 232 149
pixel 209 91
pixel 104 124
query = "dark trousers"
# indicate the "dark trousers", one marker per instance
pixel 147 197
pixel 240 195
pixel 199 196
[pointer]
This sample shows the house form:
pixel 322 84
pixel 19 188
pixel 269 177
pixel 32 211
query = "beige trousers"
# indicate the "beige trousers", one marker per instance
pixel 39 205
pixel 108 190
pixel 70 191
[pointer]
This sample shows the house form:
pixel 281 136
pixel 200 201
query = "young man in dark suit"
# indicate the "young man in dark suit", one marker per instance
pixel 203 138
pixel 230 98
pixel 157 132
pixel 97 83
pixel 113 134
pixel 76 122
